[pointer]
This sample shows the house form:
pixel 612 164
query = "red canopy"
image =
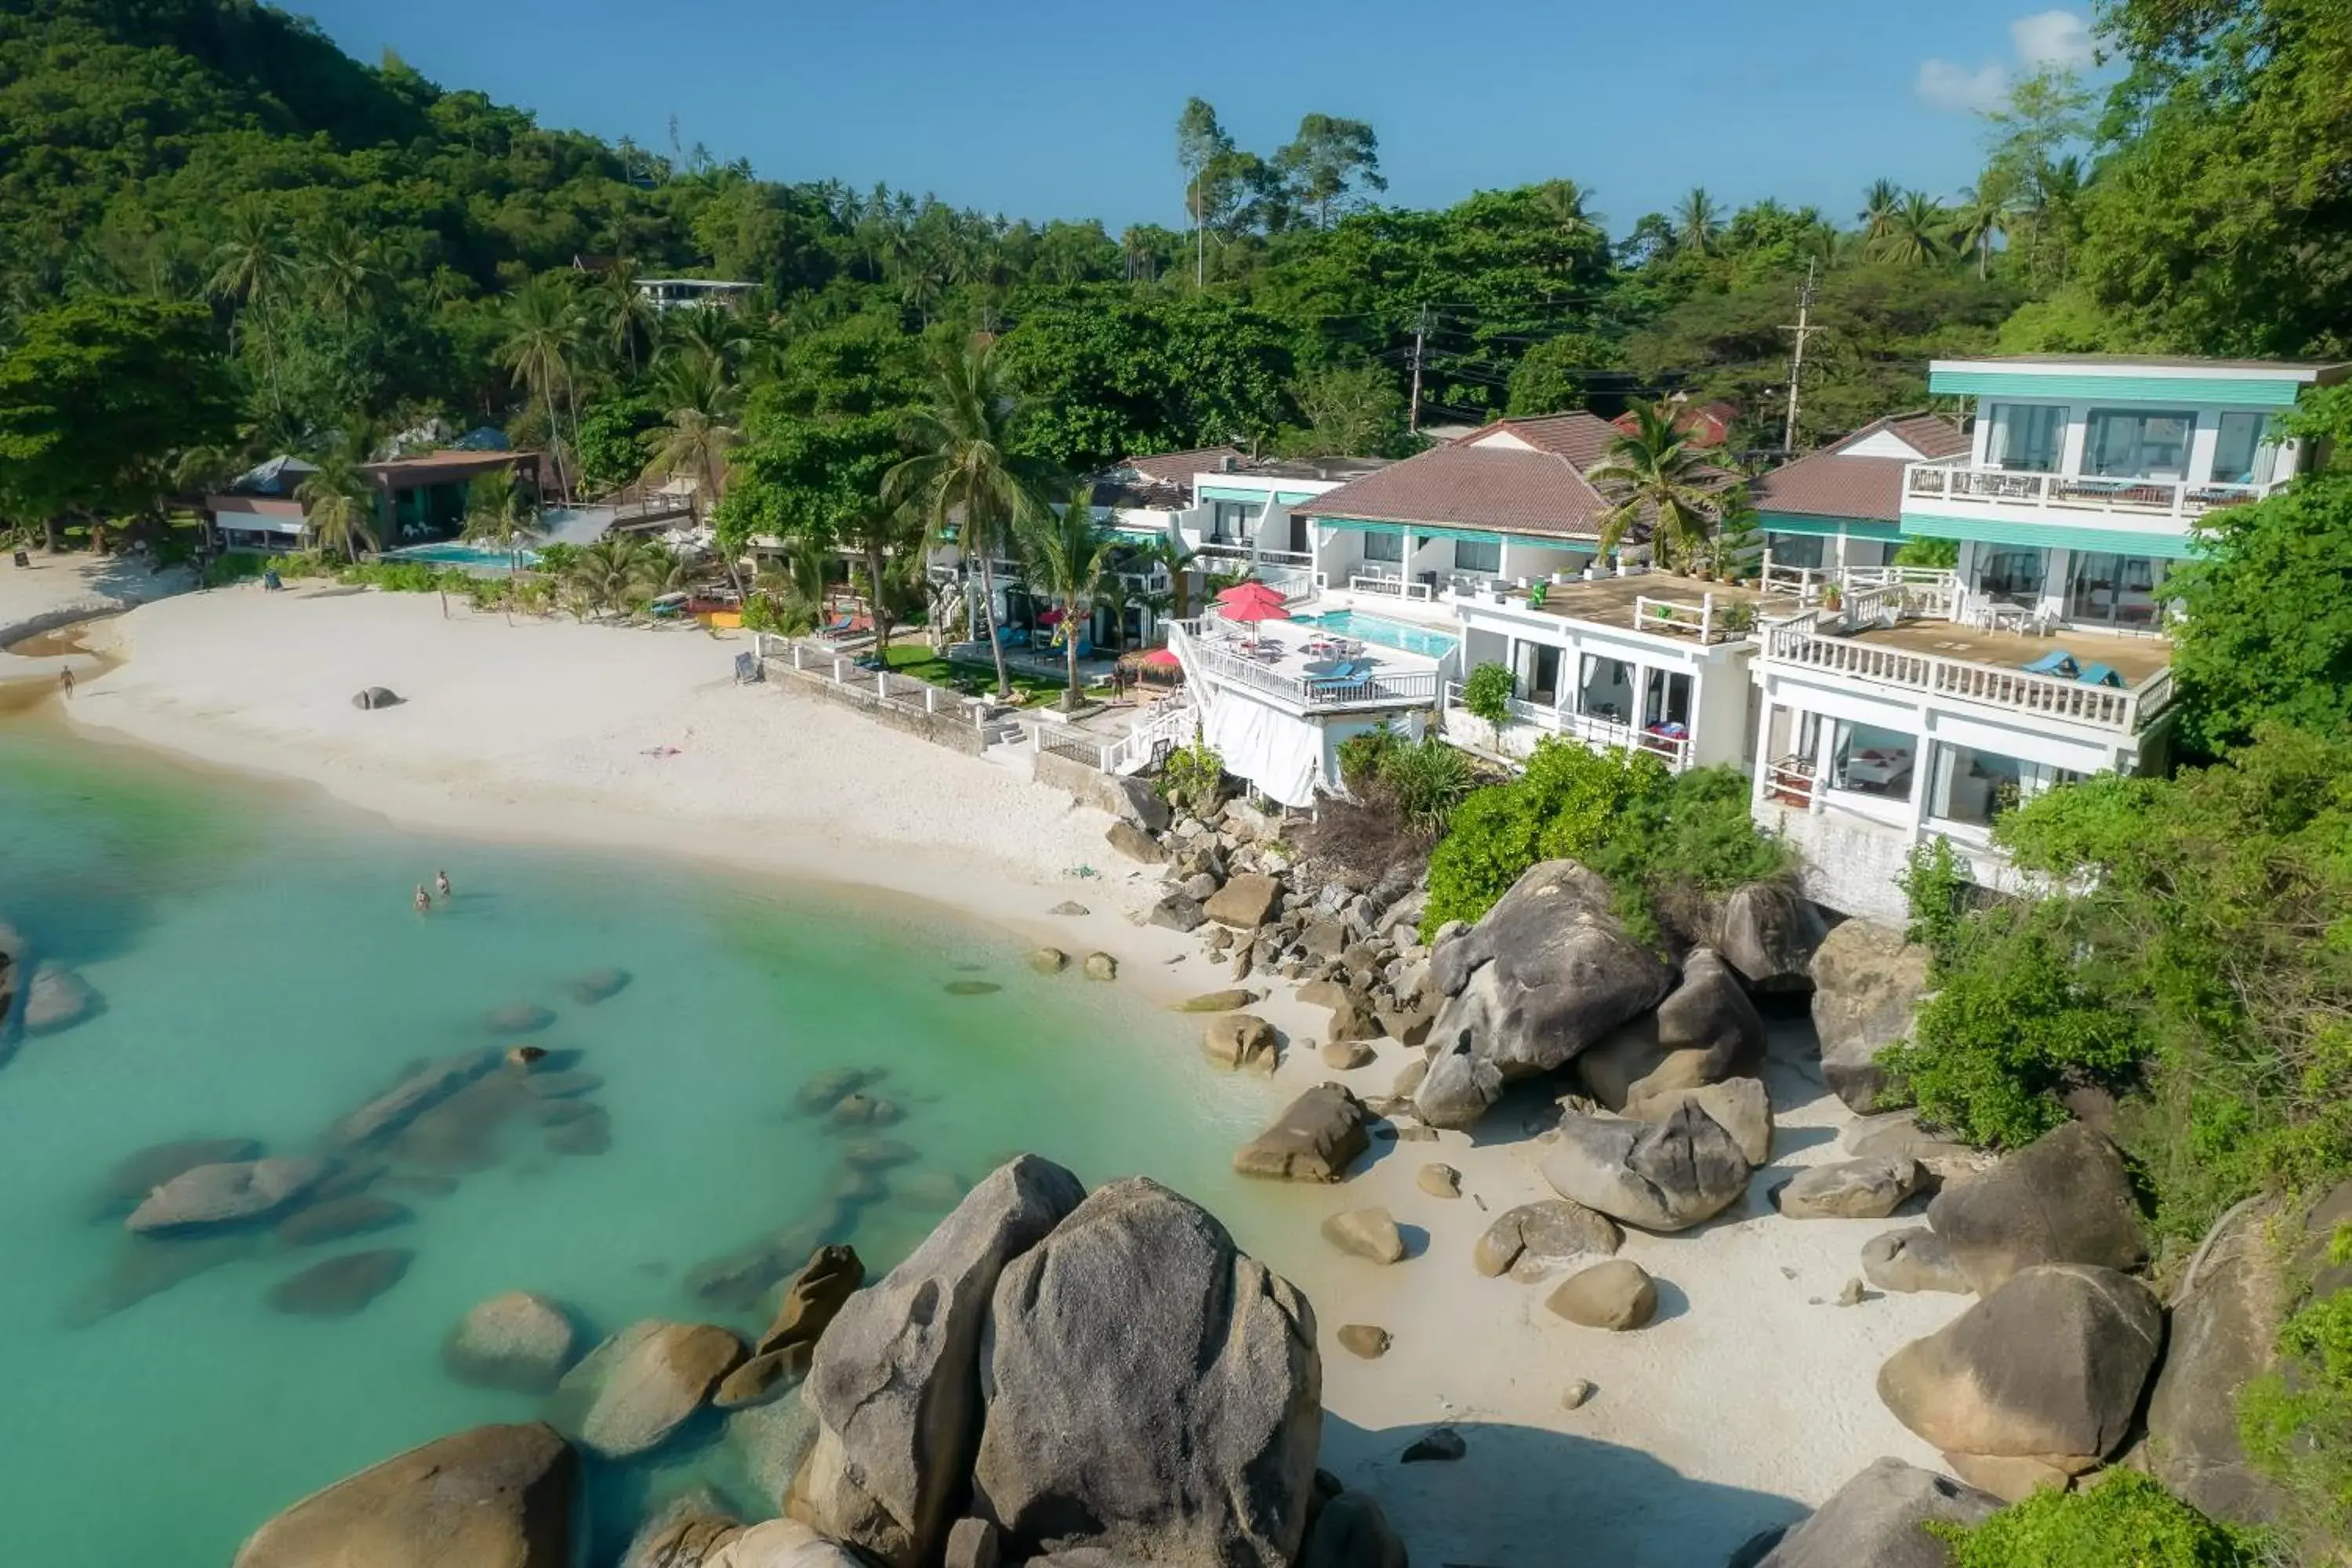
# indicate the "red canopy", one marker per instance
pixel 1249 593
pixel 1254 610
pixel 1162 658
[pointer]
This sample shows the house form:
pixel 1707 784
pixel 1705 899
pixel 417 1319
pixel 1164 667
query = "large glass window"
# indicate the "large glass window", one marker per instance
pixel 2012 573
pixel 1388 547
pixel 2127 444
pixel 1868 760
pixel 1974 787
pixel 1228 522
pixel 2239 458
pixel 1536 667
pixel 2026 436
pixel 1477 555
pixel 1605 689
pixel 2113 590
pixel 1666 705
pixel 1805 550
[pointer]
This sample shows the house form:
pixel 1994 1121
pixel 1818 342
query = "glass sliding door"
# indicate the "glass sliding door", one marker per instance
pixel 2115 590
pixel 1535 669
pixel 1868 760
pixel 2132 444
pixel 2026 437
pixel 2241 457
pixel 1605 689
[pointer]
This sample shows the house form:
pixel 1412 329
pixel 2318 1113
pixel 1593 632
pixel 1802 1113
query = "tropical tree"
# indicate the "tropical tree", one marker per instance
pixel 1656 475
pixel 888 541
pixel 545 334
pixel 1982 218
pixel 1178 558
pixel 625 320
pixel 500 517
pixel 795 584
pixel 1914 235
pixel 339 499
pixel 1330 159
pixel 615 570
pixel 343 267
pixel 250 265
pixel 698 425
pixel 966 478
pixel 1067 553
pixel 1698 223
pixel 1879 204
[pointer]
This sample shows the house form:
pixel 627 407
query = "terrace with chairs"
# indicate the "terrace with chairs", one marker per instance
pixel 1300 666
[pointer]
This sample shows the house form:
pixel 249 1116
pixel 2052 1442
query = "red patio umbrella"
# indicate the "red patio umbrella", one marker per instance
pixel 1250 611
pixel 1252 591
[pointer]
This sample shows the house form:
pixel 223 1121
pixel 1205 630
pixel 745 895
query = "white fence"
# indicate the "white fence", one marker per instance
pixel 1798 641
pixel 1589 730
pixel 2179 500
pixel 1392 587
pixel 1205 658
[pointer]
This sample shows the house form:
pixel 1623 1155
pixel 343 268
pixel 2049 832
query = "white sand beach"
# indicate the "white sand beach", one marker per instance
pixel 1749 1399
pixel 53 591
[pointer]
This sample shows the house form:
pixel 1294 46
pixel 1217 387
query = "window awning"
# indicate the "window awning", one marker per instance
pixel 1852 527
pixel 1435 531
pixel 2051 536
pixel 1257 498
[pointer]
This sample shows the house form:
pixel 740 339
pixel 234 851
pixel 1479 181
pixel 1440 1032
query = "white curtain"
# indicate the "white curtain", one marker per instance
pixel 1279 753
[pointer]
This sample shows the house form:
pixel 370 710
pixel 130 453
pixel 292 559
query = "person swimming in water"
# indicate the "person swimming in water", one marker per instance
pixel 424 899
pixel 441 883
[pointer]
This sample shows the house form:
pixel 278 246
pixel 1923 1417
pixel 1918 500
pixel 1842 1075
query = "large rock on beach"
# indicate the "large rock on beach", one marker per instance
pixel 1868 982
pixel 781 1543
pixel 1153 1393
pixel 518 1340
pixel 1706 1030
pixel 1136 844
pixel 139 1173
pixel 1532 1239
pixel 1617 1295
pixel 2046 1370
pixel 1139 801
pixel 1768 932
pixel 55 1000
pixel 341 1285
pixel 1370 1233
pixel 896 1381
pixel 495 1497
pixel 232 1193
pixel 632 1393
pixel 414 1094
pixel 372 697
pixel 1315 1139
pixel 1740 1105
pixel 1352 1531
pixel 1241 1040
pixel 1911 1260
pixel 1245 902
pixel 1546 973
pixel 1661 1175
pixel 2064 1198
pixel 1850 1189
pixel 1879 1519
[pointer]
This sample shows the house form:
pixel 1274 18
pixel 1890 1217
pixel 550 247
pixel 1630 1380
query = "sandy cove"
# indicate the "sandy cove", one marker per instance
pixel 1749 1400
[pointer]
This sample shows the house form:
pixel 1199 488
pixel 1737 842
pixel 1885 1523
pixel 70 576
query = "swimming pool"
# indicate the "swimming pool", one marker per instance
pixel 1387 633
pixel 453 555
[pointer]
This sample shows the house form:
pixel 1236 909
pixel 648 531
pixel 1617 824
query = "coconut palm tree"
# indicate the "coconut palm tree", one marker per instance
pixel 1982 218
pixel 625 318
pixel 545 333
pixel 500 517
pixel 1699 222
pixel 1879 204
pixel 888 541
pixel 1067 553
pixel 1914 235
pixel 1656 475
pixel 614 570
pixel 343 268
pixel 698 425
pixel 965 478
pixel 250 265
pixel 706 332
pixel 796 584
pixel 339 499
pixel 1178 558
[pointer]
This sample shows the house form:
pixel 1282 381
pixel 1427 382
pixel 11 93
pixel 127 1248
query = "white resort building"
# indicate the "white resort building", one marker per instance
pixel 1874 704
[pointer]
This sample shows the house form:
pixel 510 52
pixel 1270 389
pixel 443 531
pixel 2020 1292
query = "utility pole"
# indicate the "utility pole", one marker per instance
pixel 1413 411
pixel 1803 329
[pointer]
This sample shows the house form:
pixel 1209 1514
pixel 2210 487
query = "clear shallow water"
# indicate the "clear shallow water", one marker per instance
pixel 264 975
pixel 1390 633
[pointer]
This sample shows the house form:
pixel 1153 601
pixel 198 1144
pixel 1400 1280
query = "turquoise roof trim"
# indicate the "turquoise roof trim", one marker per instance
pixel 1257 498
pixel 2251 389
pixel 1801 522
pixel 1434 530
pixel 2050 536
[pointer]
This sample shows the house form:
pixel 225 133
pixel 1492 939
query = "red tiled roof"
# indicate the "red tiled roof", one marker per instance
pixel 1833 483
pixel 1708 425
pixel 1539 489
pixel 1179 468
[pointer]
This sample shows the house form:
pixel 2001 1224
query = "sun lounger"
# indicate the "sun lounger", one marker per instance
pixel 2057 661
pixel 1347 673
pixel 1012 637
pixel 2100 675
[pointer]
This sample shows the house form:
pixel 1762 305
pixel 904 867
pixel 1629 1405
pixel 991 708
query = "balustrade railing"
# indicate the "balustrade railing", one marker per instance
pixel 2105 706
pixel 1392 587
pixel 1205 655
pixel 1591 730
pixel 2177 499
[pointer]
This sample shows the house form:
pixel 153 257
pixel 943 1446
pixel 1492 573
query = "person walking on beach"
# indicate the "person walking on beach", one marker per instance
pixel 424 899
pixel 64 682
pixel 441 885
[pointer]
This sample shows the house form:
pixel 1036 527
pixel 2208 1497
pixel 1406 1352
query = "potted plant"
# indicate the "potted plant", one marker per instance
pixel 1833 597
pixel 1538 592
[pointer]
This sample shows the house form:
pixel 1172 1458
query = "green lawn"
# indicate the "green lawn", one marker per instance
pixel 918 660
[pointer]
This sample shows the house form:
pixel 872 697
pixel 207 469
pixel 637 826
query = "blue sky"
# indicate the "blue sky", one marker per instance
pixel 1065 108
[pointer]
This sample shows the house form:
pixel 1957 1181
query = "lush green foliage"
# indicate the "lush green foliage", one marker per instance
pixel 1487 693
pixel 2296 1422
pixel 1194 776
pixel 2126 1519
pixel 1421 781
pixel 2268 638
pixel 1654 833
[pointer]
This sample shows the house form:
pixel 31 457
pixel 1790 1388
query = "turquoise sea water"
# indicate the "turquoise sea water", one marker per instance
pixel 264 974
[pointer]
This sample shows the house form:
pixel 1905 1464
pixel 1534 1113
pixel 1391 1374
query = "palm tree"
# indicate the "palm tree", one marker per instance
pixel 1981 219
pixel 342 267
pixel 706 332
pixel 545 334
pixel 1655 475
pixel 1067 553
pixel 1699 222
pixel 614 570
pixel 500 517
pixel 699 428
pixel 797 585
pixel 1913 236
pixel 1178 558
pixel 339 499
pixel 965 476
pixel 624 317
pixel 1879 204
pixel 888 541
pixel 249 265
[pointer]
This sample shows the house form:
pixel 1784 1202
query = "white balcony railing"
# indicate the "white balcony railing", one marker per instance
pixel 1589 730
pixel 1227 549
pixel 1392 587
pixel 2179 500
pixel 1800 641
pixel 1204 658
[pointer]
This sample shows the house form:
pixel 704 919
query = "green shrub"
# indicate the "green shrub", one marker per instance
pixel 1936 885
pixel 1428 780
pixel 2014 1022
pixel 2126 1520
pixel 2297 1424
pixel 1362 755
pixel 1622 814
pixel 1487 694
pixel 1192 776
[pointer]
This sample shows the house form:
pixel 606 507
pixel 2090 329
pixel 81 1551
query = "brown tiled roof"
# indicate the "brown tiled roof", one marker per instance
pixel 1178 468
pixel 1706 425
pixel 1511 490
pixel 1830 483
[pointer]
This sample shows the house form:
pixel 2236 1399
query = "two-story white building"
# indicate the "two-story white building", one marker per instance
pixel 1900 703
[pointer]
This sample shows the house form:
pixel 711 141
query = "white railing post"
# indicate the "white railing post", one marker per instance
pixel 930 698
pixel 838 678
pixel 796 654
pixel 882 684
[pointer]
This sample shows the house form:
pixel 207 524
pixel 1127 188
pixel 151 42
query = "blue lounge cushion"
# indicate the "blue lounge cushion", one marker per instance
pixel 2057 661
pixel 2100 675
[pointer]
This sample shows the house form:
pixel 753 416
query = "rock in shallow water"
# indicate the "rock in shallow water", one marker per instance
pixel 637 1388
pixel 598 985
pixel 55 1000
pixel 517 1341
pixel 227 1193
pixel 495 1497
pixel 340 1217
pixel 518 1018
pixel 341 1285
pixel 1320 1134
pixel 135 1175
